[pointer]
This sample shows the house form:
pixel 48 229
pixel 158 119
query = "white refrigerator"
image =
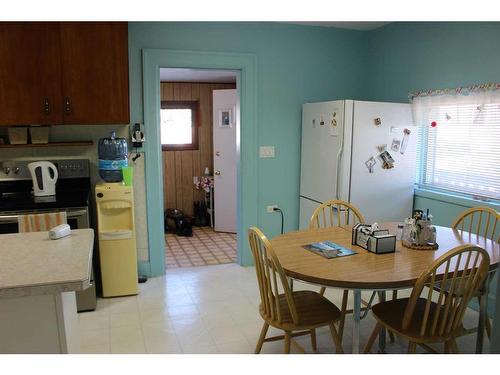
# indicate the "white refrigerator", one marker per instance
pixel 339 138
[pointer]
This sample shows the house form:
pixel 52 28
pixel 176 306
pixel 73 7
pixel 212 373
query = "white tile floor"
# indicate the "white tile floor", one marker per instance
pixel 210 309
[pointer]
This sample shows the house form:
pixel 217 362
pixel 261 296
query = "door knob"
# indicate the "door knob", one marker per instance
pixel 217 173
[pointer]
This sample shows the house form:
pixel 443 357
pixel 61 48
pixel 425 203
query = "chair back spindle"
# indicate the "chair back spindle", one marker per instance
pixel 335 213
pixel 271 277
pixel 481 221
pixel 463 270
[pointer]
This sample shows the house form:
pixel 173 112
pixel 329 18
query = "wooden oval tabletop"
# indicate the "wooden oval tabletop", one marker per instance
pixel 366 270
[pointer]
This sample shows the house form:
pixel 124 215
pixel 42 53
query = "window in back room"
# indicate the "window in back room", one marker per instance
pixel 179 125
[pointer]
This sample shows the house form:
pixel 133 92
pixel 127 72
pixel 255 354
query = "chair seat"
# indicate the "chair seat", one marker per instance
pixel 313 310
pixel 391 314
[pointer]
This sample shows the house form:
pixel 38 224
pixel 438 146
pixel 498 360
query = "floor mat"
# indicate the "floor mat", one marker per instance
pixel 206 247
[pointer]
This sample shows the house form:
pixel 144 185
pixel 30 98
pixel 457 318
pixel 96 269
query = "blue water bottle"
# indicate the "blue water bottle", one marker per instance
pixel 112 157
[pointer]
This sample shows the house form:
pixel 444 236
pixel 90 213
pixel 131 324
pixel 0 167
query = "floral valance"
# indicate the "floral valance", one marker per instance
pixel 459 91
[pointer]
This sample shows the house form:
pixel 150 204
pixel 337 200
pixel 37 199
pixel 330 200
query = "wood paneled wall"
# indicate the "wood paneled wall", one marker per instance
pixel 179 167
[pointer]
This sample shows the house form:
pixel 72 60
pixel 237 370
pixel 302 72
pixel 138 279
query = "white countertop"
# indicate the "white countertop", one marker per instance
pixel 32 264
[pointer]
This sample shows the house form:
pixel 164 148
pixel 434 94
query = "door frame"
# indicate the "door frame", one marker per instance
pixel 246 147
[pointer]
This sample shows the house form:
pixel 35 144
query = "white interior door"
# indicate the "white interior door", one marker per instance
pixel 225 118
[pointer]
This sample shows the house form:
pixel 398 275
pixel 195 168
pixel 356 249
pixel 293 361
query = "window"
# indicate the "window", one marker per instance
pixel 460 142
pixel 179 125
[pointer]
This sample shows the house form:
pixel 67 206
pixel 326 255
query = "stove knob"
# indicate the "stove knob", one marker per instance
pixel 16 170
pixel 6 170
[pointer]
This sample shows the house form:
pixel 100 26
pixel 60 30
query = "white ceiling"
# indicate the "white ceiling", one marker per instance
pixel 363 26
pixel 197 75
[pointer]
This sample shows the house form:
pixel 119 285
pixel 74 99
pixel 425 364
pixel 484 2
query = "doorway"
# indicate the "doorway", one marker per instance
pixel 248 200
pixel 199 116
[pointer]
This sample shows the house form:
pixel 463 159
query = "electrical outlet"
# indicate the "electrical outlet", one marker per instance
pixel 266 151
pixel 271 208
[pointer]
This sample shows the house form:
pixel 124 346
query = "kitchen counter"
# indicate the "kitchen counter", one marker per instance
pixel 32 264
pixel 38 280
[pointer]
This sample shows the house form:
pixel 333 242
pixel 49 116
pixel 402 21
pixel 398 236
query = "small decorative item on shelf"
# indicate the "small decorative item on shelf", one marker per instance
pixel 39 134
pixel 18 135
pixel 418 231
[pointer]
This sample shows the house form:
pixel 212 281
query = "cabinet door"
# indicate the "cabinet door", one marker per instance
pixel 94 58
pixel 30 85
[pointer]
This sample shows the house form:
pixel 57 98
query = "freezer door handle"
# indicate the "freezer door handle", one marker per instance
pixel 339 159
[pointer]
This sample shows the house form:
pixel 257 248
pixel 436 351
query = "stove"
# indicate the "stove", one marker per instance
pixel 73 192
pixel 73 187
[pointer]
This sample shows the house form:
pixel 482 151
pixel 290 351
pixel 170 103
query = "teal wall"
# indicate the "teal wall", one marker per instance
pixel 409 56
pixel 295 64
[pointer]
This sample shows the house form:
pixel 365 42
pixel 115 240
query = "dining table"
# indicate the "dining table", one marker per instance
pixel 367 271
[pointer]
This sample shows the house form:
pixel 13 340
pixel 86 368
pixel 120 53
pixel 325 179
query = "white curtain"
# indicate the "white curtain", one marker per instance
pixel 422 104
pixel 460 139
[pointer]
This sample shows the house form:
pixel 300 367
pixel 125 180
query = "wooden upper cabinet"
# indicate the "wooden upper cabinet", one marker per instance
pixel 94 59
pixel 63 73
pixel 30 85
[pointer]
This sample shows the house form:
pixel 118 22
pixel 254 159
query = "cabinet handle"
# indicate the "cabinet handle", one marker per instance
pixel 46 106
pixel 67 105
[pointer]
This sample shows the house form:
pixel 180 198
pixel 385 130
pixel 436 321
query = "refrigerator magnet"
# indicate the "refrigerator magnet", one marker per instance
pixel 378 121
pixel 370 163
pixel 404 142
pixel 333 127
pixel 382 148
pixel 395 145
pixel 387 160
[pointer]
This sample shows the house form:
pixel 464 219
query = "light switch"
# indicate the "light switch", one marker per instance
pixel 266 151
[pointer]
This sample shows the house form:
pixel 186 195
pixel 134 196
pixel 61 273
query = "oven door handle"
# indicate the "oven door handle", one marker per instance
pixel 9 218
pixel 76 213
pixel 14 218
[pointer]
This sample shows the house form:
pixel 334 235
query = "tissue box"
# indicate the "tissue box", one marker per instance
pixel 378 241
pixel 382 244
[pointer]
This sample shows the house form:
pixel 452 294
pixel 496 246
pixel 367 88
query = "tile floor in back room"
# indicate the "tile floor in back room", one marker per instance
pixel 205 247
pixel 208 309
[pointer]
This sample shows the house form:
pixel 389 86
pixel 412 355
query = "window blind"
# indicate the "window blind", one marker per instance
pixel 462 151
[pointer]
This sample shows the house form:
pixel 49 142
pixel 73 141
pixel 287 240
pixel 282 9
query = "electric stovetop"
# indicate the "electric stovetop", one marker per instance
pixel 72 188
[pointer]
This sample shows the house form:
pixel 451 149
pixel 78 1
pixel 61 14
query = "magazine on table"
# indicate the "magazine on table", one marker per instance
pixel 329 249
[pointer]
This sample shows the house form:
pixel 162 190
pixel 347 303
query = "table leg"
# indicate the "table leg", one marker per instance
pixel 483 299
pixel 356 314
pixel 381 335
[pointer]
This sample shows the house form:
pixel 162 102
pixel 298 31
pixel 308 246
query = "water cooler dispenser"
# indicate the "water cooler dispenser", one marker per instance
pixel 117 246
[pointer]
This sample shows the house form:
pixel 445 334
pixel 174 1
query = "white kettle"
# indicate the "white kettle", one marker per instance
pixel 44 175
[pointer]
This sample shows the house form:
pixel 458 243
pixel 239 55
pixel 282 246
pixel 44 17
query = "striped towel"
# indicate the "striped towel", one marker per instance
pixel 40 222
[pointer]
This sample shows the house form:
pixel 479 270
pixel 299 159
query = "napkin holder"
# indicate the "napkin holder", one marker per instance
pixel 375 241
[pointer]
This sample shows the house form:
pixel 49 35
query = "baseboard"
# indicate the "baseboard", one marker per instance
pixel 144 268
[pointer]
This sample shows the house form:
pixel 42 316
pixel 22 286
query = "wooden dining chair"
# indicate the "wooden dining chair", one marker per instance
pixel 434 316
pixel 336 213
pixel 481 221
pixel 296 313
